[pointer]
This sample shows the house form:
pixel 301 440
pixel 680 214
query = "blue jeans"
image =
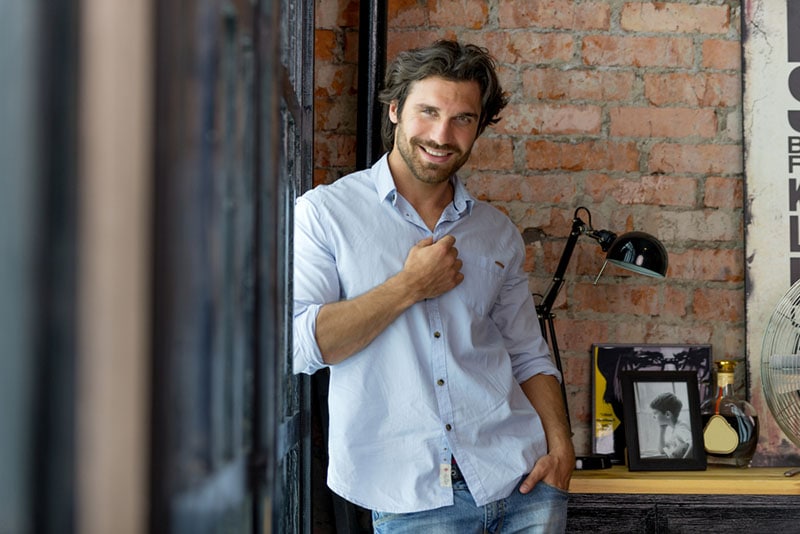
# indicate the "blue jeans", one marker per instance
pixel 542 510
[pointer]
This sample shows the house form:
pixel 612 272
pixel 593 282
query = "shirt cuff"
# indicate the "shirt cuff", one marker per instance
pixel 307 356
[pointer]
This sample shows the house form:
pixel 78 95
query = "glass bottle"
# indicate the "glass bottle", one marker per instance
pixel 730 424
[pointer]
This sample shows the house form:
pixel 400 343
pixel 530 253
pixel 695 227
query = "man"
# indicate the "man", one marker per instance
pixel 445 408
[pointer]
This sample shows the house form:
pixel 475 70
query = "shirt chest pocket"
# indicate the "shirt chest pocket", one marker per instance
pixel 483 279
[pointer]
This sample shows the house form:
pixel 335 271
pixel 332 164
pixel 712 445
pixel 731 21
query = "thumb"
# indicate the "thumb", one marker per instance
pixel 428 241
pixel 448 240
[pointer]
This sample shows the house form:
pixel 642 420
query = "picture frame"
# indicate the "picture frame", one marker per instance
pixel 609 360
pixel 663 428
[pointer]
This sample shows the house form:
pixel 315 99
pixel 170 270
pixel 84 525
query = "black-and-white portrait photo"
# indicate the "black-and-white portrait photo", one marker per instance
pixel 662 420
pixel 663 417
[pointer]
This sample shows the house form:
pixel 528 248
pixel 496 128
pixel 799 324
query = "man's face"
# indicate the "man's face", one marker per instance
pixel 438 126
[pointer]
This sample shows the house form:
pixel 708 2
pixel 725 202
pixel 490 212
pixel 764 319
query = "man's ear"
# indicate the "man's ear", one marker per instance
pixel 393 112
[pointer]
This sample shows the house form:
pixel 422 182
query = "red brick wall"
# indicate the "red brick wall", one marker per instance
pixel 630 109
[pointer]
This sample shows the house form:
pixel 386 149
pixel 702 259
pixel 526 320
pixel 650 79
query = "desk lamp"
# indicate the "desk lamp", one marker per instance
pixel 635 251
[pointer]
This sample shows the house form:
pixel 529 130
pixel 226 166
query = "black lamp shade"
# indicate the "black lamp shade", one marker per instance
pixel 639 252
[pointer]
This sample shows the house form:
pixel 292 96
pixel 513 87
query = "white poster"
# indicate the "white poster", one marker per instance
pixel 771 107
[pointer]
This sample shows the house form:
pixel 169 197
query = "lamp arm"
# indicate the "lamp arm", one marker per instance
pixel 543 308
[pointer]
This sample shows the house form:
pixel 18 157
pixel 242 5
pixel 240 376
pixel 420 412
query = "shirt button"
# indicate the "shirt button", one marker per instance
pixel 448 427
pixel 440 382
pixel 437 334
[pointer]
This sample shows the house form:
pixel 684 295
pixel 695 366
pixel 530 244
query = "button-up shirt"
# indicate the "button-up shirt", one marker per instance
pixel 443 379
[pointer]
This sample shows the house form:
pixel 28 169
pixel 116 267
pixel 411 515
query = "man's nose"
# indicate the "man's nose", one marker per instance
pixel 442 133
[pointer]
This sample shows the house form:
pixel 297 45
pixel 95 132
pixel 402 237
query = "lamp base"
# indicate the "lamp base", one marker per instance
pixel 594 461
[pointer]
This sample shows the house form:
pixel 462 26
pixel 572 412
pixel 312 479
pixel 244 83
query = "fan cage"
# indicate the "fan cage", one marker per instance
pixel 780 364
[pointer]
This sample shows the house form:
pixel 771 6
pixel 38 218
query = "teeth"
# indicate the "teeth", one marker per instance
pixel 434 152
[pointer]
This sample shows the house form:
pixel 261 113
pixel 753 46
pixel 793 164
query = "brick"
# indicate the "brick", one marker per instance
pixel 351 47
pixel 659 331
pixel 578 335
pixel 702 226
pixel 701 89
pixel 492 153
pixel 574 84
pixel 349 13
pixel 703 264
pixel 326 14
pixel 676 302
pixel 326 47
pixel 471 14
pixel 722 54
pixel 666 17
pixel 406 13
pixel 657 190
pixel 334 150
pixel 725 305
pixel 488 186
pixel 638 51
pixel 398 41
pixel 588 155
pixel 611 298
pixel 526 119
pixel 331 14
pixel 676 158
pixel 555 14
pixel 733 126
pixel 336 114
pixel 524 47
pixel 721 192
pixel 335 80
pixel 662 122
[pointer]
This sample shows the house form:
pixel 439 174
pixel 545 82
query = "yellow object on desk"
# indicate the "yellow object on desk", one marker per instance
pixel 713 481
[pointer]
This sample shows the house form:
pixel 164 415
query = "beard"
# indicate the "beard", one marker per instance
pixel 429 172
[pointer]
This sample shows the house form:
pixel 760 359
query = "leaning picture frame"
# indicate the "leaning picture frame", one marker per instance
pixel 611 359
pixel 663 429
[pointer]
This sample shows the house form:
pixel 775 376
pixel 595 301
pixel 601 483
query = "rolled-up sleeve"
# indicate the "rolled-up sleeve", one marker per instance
pixel 316 283
pixel 515 315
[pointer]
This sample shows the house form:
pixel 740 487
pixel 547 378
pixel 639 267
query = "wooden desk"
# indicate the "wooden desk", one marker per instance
pixel 719 499
pixel 715 480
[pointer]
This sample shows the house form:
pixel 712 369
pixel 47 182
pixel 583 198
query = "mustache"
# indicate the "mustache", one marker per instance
pixel 435 146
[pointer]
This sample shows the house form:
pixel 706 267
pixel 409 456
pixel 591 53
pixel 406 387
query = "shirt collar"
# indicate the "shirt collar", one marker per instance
pixel 386 189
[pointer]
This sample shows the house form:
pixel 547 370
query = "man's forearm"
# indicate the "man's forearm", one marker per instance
pixel 343 328
pixel 544 393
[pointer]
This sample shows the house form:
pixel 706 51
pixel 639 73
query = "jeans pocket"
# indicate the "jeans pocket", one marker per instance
pixel 554 489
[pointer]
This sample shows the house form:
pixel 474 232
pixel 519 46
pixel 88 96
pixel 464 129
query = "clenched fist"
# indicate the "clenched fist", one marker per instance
pixel 433 268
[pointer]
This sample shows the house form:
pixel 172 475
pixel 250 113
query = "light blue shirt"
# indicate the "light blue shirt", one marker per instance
pixel 443 379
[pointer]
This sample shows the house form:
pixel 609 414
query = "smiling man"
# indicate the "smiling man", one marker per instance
pixel 445 408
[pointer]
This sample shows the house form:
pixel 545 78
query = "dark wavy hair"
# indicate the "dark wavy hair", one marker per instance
pixel 668 402
pixel 449 60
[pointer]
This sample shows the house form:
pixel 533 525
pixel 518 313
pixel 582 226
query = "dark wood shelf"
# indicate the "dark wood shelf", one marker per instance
pixel 751 500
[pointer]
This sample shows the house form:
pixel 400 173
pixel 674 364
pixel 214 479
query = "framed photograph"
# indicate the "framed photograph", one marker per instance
pixel 610 360
pixel 663 430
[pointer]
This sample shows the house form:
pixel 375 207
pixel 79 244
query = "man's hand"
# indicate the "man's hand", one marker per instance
pixel 347 326
pixel 555 469
pixel 432 269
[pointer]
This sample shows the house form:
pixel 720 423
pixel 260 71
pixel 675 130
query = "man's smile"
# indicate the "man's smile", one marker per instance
pixel 436 153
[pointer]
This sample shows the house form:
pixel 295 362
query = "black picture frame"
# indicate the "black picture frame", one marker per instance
pixel 663 429
pixel 611 359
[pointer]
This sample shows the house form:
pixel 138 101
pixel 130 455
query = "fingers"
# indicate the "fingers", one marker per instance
pixel 428 241
pixel 530 481
pixel 434 267
pixel 549 469
pixel 447 241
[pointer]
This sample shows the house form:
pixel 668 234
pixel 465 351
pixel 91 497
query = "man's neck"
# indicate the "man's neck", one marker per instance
pixel 429 200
